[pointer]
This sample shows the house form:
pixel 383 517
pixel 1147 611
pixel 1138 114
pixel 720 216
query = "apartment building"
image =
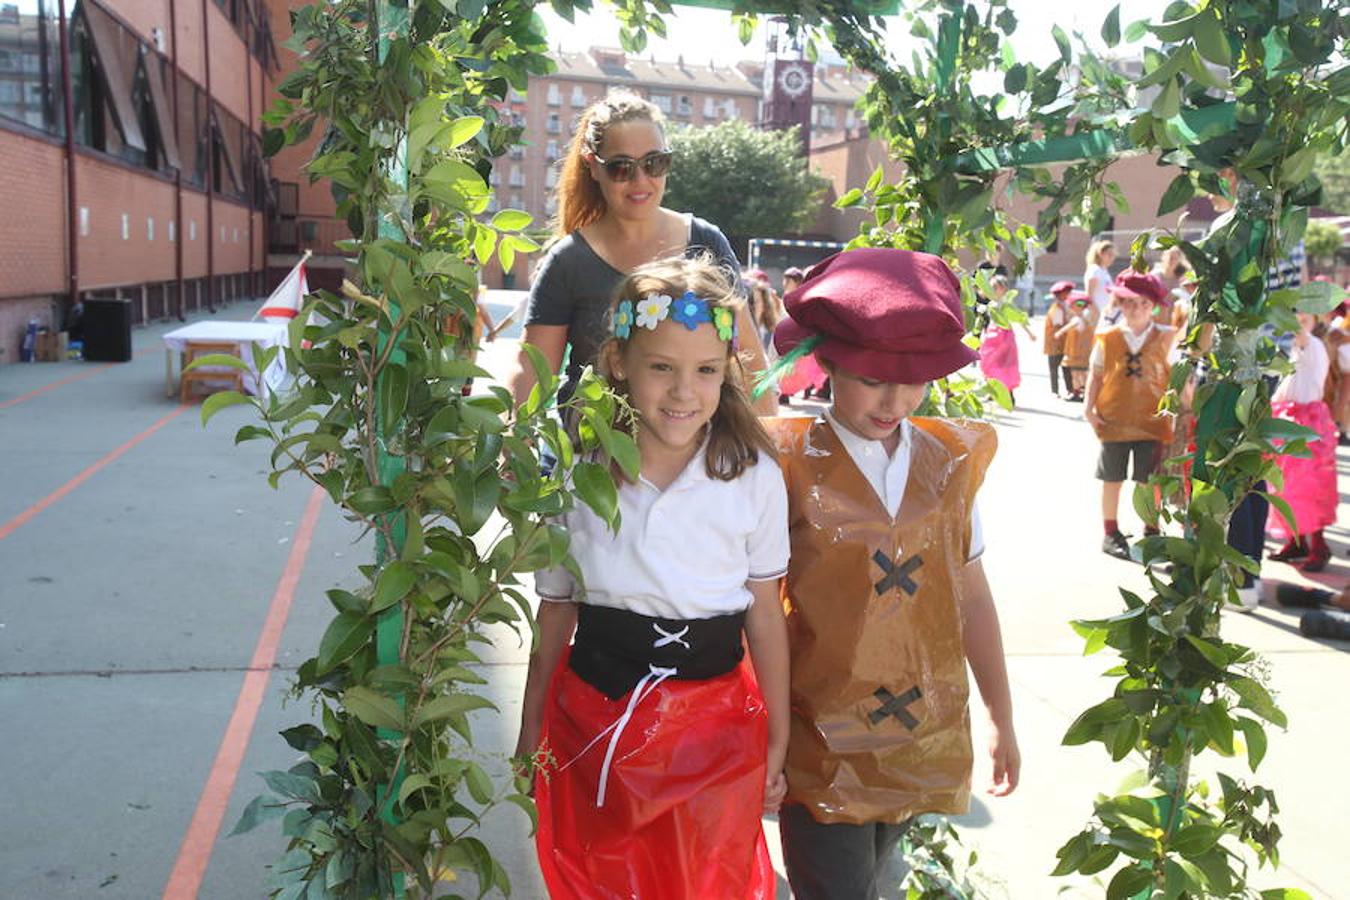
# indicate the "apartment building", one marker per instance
pixel 129 155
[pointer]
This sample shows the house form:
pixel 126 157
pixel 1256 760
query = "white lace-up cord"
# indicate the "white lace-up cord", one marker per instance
pixel 671 637
pixel 644 687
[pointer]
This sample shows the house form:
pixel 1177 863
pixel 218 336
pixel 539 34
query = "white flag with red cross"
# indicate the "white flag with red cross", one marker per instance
pixel 286 300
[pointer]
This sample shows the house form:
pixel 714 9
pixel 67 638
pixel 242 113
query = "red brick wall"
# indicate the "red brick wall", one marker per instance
pixel 227 64
pixel 33 235
pixel 144 15
pixel 191 58
pixel 110 192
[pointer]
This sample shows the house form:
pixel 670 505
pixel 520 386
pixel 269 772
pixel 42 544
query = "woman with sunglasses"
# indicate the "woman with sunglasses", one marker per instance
pixel 610 221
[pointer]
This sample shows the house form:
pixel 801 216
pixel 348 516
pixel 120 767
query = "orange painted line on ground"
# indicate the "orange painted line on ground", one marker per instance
pixel 15 401
pixel 23 518
pixel 195 853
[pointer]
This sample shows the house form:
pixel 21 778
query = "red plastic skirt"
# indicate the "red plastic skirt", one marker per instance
pixel 998 356
pixel 683 799
pixel 1309 482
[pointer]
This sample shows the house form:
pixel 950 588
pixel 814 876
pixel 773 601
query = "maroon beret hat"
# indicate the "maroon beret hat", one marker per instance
pixel 1060 287
pixel 890 315
pixel 1131 284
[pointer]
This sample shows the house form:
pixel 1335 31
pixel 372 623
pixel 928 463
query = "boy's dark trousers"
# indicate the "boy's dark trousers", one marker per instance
pixel 839 862
pixel 1055 361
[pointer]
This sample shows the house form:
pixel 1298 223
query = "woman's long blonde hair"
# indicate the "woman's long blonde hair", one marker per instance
pixel 735 435
pixel 579 199
pixel 1095 250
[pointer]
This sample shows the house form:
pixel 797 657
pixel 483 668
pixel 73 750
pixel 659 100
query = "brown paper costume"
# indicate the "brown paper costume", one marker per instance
pixel 880 727
pixel 1131 386
pixel 1051 344
pixel 1078 340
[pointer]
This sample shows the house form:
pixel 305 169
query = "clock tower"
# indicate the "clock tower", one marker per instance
pixel 788 80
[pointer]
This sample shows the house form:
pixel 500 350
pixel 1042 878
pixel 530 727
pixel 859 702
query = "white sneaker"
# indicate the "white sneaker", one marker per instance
pixel 1248 600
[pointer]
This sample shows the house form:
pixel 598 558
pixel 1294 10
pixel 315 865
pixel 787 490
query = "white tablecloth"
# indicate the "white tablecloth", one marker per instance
pixel 244 334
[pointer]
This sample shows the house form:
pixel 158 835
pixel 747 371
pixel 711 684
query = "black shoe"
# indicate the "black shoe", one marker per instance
pixel 1114 544
pixel 1075 398
pixel 1294 549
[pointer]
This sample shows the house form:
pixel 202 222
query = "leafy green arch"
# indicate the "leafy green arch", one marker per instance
pixel 408 96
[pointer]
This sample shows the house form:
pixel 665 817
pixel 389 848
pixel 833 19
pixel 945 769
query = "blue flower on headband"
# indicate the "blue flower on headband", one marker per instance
pixel 691 310
pixel 623 320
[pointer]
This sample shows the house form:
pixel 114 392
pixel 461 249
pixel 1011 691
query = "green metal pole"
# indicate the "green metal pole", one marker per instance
pixel 949 42
pixel 391 23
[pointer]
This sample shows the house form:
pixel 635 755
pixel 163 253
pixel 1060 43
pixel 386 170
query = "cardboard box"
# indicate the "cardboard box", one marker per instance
pixel 51 346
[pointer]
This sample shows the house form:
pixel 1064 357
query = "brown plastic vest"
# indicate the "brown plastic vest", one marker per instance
pixel 1132 385
pixel 1078 341
pixel 1053 346
pixel 880 726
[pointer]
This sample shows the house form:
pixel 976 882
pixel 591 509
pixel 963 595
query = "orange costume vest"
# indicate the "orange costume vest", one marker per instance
pixel 1078 341
pixel 1054 346
pixel 880 725
pixel 1132 385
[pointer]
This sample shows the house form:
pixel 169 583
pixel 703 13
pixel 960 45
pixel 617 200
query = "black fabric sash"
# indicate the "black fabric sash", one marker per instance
pixel 614 648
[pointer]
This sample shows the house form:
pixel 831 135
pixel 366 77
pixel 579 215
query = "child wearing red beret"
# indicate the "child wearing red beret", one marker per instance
pixel 1056 316
pixel 885 592
pixel 1130 368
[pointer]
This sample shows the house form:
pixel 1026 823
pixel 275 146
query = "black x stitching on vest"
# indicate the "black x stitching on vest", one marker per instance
pixel 1134 364
pixel 892 705
pixel 897 576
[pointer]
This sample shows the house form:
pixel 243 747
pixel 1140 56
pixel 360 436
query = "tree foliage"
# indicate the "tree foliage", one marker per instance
pixel 751 182
pixel 1322 241
pixel 1333 170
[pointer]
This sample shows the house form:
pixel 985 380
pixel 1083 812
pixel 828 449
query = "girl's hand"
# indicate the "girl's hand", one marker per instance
pixel 527 745
pixel 1094 419
pixel 1007 761
pixel 775 789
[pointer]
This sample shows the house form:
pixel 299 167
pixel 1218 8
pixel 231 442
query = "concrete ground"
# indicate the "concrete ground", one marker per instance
pixel 140 555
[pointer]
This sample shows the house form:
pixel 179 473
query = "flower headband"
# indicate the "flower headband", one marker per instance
pixel 690 310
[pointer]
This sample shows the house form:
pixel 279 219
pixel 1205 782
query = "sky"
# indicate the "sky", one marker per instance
pixel 703 35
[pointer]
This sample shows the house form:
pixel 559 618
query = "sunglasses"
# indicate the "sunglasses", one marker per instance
pixel 624 168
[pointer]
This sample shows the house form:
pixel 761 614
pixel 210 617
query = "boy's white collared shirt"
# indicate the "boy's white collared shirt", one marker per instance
pixel 888 474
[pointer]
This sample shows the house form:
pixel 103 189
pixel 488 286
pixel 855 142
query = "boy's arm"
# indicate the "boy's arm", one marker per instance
pixel 1094 388
pixel 766 633
pixel 983 645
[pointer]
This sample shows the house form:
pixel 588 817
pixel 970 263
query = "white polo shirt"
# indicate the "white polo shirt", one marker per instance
pixel 888 474
pixel 682 553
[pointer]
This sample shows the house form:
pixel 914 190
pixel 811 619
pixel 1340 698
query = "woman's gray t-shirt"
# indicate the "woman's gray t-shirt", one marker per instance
pixel 573 286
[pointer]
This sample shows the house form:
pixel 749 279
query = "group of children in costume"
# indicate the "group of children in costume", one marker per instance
pixel 843 551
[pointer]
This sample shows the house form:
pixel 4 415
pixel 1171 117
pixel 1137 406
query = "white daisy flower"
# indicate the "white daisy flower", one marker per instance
pixel 652 309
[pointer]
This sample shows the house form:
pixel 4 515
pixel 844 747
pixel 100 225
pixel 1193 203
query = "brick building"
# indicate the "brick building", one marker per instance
pixel 128 157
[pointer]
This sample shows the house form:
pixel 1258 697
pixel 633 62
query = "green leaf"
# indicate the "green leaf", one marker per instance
pixel 345 635
pixel 1062 41
pixel 1193 840
pixel 228 360
pixel 1212 654
pixel 219 400
pixel 528 807
pixel 411 785
pixel 1211 39
pixel 449 705
pixel 1128 882
pixel 259 810
pixel 1177 194
pixel 393 585
pixel 289 784
pixel 1254 696
pixel 374 709
pixel 372 500
pixel 1255 738
pixel 593 482
pixel 393 397
pixel 1111 27
pixel 1168 102
pixel 511 220
pixel 1136 30
pixel 852 198
pixel 463 130
pixel 480 785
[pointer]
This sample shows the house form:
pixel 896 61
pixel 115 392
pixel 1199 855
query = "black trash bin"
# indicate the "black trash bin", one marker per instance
pixel 107 329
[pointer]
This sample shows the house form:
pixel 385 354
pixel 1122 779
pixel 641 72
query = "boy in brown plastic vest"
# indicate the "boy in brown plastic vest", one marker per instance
pixel 1128 374
pixel 885 593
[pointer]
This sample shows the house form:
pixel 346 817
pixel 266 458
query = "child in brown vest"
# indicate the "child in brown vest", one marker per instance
pixel 885 592
pixel 1129 372
pixel 1055 318
pixel 1077 334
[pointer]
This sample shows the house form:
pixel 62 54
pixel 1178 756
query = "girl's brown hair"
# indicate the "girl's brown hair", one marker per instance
pixel 735 435
pixel 764 305
pixel 579 199
pixel 1095 250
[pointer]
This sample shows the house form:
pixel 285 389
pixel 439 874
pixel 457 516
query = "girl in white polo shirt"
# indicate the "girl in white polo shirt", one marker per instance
pixel 658 746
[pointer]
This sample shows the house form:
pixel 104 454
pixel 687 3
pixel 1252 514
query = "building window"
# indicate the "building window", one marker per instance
pixel 662 102
pixel 515 201
pixel 30 64
pixel 551 150
pixel 554 95
pixel 104 60
pixel 494 178
pixel 227 155
pixel 518 151
pixel 554 125
pixel 683 106
pixel 193 132
pixel 550 176
pixel 578 96
pixel 709 108
pixel 517 177
pixel 731 110
pixel 515 96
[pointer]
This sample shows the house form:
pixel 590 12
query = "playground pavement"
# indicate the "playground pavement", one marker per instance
pixel 156 596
